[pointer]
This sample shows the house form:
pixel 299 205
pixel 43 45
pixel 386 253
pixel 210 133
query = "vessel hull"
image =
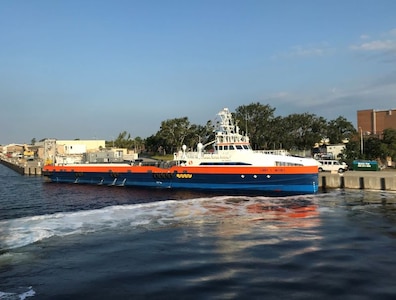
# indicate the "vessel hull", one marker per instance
pixel 262 180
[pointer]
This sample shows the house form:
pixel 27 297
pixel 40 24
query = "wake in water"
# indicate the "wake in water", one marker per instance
pixel 20 232
pixel 205 247
pixel 19 294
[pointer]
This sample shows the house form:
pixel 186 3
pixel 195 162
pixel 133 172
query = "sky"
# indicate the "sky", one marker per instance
pixel 93 69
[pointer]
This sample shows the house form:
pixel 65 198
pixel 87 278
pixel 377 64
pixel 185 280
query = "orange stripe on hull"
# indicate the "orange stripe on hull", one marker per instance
pixel 185 169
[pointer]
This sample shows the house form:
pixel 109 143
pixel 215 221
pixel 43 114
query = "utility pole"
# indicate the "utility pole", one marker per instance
pixel 361 140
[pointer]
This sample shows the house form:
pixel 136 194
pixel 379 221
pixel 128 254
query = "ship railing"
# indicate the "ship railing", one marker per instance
pixel 195 155
pixel 163 164
pixel 274 152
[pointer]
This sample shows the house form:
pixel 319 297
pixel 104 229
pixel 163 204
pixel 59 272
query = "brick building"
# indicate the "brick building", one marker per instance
pixel 371 121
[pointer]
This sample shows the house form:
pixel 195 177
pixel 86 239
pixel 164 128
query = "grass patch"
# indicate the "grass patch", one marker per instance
pixel 163 157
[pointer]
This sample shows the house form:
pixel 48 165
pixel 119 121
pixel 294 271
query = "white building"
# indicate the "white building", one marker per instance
pixel 69 151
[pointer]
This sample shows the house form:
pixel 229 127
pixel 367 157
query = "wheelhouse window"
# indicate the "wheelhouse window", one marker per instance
pixel 285 164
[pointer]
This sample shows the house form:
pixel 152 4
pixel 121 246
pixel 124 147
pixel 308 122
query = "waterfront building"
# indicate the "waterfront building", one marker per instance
pixel 374 122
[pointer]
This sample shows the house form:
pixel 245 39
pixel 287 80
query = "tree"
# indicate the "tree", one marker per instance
pixel 199 134
pixel 302 131
pixel 372 148
pixel 276 136
pixel 124 140
pixel 339 130
pixel 174 132
pixel 255 119
pixel 293 132
pixel 154 142
pixel 352 151
pixel 389 143
pixel 138 144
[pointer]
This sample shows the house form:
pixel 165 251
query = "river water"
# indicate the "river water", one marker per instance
pixel 60 241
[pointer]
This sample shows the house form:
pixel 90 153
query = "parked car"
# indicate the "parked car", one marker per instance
pixel 332 165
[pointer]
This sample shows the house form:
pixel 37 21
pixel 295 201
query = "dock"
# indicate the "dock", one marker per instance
pixel 23 167
pixel 363 180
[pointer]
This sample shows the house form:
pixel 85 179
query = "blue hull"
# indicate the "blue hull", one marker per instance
pixel 275 184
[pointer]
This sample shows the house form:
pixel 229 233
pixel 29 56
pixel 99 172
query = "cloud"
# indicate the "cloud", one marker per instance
pixel 385 80
pixel 305 51
pixel 392 32
pixel 376 93
pixel 343 99
pixel 279 95
pixel 377 45
pixel 381 48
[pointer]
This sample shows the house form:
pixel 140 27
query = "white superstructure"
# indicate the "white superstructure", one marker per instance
pixel 231 147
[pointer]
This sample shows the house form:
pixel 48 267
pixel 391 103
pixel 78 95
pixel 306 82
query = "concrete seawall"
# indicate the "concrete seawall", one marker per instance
pixel 23 168
pixel 370 180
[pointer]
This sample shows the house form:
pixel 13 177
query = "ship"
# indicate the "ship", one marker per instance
pixel 227 163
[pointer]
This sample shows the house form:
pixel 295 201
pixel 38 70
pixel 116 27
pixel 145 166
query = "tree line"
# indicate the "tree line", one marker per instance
pixel 294 132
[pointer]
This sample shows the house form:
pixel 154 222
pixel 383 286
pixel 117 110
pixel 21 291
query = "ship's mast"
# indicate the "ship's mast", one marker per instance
pixel 227 131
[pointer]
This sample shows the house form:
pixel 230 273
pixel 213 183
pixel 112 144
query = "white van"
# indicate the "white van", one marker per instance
pixel 332 165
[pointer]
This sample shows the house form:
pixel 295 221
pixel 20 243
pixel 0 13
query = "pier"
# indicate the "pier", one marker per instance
pixel 370 180
pixel 23 167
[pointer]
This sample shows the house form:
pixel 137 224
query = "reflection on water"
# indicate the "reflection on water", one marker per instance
pixel 232 215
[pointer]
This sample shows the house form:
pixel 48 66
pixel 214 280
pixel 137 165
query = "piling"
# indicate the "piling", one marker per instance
pixel 383 184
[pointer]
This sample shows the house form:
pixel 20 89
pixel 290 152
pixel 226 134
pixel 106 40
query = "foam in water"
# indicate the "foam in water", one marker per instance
pixel 20 232
pixel 23 231
pixel 21 294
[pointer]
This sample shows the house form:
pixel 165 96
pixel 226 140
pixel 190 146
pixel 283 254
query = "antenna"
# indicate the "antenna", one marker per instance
pixel 246 120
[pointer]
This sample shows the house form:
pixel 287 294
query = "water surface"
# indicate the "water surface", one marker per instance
pixel 61 241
